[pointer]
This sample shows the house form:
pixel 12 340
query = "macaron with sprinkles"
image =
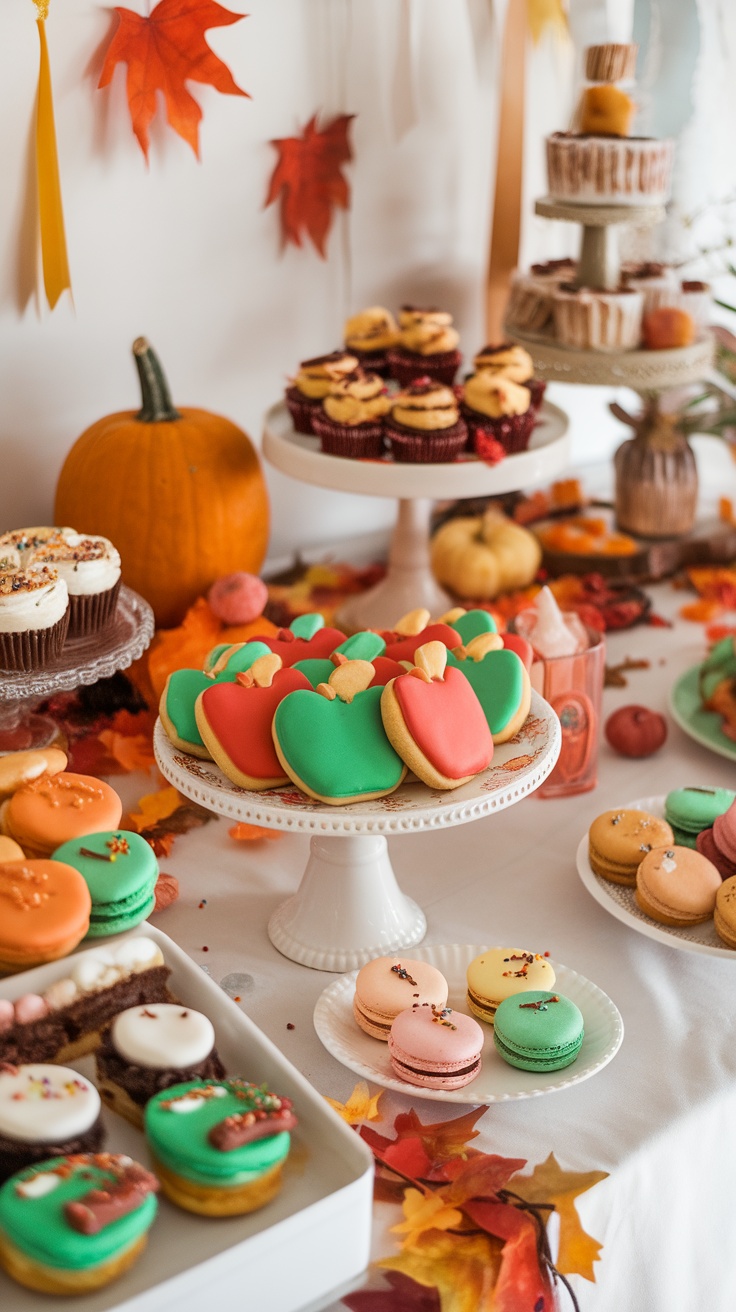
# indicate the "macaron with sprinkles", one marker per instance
pixel 435 1048
pixel 120 870
pixel 388 985
pixel 538 1031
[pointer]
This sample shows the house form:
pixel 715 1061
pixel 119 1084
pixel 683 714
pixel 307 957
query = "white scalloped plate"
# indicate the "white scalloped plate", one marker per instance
pixel 497 1081
pixel 620 902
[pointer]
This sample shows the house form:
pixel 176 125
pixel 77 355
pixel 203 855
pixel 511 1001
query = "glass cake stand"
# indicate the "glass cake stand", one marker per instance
pixel 81 661
pixel 409 582
pixel 349 907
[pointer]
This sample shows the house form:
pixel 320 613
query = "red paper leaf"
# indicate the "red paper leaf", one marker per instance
pixel 401 1295
pixel 521 1285
pixel 308 183
pixel 163 52
pixel 481 1176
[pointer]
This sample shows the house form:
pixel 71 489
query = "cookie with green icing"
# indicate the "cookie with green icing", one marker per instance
pixel 307 637
pixel 499 680
pixel 332 742
pixel 470 624
pixel 120 870
pixel 176 707
pixel 71 1224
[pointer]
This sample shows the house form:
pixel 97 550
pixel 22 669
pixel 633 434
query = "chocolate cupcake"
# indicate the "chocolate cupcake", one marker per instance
pixel 34 617
pixel 351 421
pixel 310 387
pixel 424 425
pixel 512 362
pixel 90 567
pixel 369 335
pixel 427 347
pixel 499 408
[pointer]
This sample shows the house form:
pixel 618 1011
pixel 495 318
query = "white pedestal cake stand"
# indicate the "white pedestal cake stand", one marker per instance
pixel 349 907
pixel 81 661
pixel 409 582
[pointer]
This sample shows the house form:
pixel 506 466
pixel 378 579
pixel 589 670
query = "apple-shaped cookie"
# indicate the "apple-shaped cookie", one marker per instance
pixel 435 721
pixel 500 682
pixel 305 637
pixel 412 631
pixel 332 742
pixel 235 721
pixel 469 623
pixel 183 687
pixel 363 646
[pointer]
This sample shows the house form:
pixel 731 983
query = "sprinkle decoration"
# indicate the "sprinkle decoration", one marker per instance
pixel 23 886
pixel 403 973
pixel 440 1017
pixel 537 1006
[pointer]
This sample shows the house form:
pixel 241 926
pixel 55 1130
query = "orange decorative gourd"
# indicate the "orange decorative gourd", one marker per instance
pixel 180 493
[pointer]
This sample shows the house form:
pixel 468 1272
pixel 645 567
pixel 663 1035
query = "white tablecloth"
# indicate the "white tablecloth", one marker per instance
pixel 660 1118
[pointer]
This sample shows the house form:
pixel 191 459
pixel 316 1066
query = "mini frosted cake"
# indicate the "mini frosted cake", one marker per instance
pixel 590 319
pixel 351 420
pixel 312 384
pixel 90 567
pixel 34 618
pixel 45 1111
pixel 662 287
pixel 600 163
pixel 529 305
pixel 427 347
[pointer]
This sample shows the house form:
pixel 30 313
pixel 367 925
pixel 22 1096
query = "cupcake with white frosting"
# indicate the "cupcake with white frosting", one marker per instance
pixel 90 567
pixel 34 617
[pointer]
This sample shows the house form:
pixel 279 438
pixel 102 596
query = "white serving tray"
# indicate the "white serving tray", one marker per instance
pixel 312 1239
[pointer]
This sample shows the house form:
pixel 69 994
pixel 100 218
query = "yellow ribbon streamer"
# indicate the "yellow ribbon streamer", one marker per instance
pixel 543 13
pixel 51 215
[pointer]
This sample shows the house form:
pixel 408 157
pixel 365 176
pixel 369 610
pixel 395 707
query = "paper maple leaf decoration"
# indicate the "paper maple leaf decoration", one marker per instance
pixel 164 52
pixel 308 181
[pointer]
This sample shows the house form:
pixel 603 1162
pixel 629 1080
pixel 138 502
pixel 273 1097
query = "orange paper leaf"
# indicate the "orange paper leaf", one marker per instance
pixel 131 752
pixel 360 1106
pixel 308 183
pixel 549 1183
pixel 243 833
pixel 154 807
pixel 464 1268
pixel 163 52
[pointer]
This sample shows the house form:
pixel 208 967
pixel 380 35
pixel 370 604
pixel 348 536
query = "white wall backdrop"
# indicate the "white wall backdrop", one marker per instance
pixel 184 253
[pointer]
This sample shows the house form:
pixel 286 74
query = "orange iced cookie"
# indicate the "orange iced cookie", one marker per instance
pixel 44 912
pixel 51 810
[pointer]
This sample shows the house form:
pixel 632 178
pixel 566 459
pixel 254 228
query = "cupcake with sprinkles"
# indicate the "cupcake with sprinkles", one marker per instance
pixel 90 568
pixel 424 425
pixel 34 617
pixel 45 1111
pixel 351 421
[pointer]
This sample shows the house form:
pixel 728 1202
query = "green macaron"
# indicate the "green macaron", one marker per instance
pixel 120 870
pixel 690 810
pixel 538 1031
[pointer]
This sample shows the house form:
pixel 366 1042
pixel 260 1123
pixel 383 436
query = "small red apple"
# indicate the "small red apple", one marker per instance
pixel 635 731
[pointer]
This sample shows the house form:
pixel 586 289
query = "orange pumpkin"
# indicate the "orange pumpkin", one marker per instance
pixel 180 493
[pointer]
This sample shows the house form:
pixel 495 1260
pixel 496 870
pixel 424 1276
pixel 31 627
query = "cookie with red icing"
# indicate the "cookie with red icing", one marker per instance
pixel 412 631
pixel 332 743
pixel 363 646
pixel 307 636
pixel 235 719
pixel 435 721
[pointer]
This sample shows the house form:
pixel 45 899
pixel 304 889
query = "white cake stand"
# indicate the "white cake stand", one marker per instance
pixel 349 907
pixel 409 582
pixel 81 661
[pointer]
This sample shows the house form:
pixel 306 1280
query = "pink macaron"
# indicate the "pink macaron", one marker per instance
pixel 724 832
pixel 708 847
pixel 238 598
pixel 435 1049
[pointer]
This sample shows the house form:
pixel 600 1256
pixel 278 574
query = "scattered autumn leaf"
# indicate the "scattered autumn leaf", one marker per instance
pixel 244 833
pixel 400 1294
pixel 522 1286
pixel 424 1212
pixel 165 892
pixel 163 52
pixel 308 182
pixel 360 1106
pixel 550 1183
pixel 154 807
pixel 464 1268
pixel 481 1176
pixel 134 752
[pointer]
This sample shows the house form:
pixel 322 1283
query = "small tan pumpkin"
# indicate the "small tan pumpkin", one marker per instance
pixel 180 494
pixel 484 555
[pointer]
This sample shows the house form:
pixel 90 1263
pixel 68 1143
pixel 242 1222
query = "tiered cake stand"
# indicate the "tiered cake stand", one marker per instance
pixel 349 907
pixel 81 661
pixel 599 266
pixel 409 582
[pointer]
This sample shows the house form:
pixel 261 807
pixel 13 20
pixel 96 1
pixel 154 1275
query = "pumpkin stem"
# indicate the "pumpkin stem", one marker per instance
pixel 157 407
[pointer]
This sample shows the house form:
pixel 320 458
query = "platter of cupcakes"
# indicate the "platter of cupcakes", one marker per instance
pixel 143 1100
pixel 458 1023
pixel 666 867
pixel 403 405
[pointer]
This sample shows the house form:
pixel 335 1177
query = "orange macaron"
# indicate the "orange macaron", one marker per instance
pixel 677 886
pixel 51 810
pixel 44 912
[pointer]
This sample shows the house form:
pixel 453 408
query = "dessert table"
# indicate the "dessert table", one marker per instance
pixel 658 1118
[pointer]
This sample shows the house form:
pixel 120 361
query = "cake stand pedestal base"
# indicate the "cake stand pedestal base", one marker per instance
pixel 348 907
pixel 409 582
pixel 21 730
